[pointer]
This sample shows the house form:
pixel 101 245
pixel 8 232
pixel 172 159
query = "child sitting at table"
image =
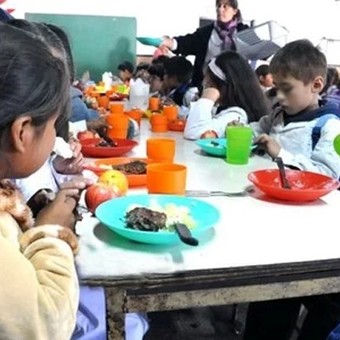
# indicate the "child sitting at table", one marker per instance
pixel 82 117
pixel 39 285
pixel 231 84
pixel 176 84
pixel 125 71
pixel 156 75
pixel 265 77
pixel 54 173
pixel 299 71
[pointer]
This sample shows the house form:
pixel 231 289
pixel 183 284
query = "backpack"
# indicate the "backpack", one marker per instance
pixel 316 132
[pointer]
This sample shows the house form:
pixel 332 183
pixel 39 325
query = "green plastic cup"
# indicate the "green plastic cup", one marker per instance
pixel 336 144
pixel 239 139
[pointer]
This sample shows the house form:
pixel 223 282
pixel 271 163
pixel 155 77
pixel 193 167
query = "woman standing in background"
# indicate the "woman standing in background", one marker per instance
pixel 210 40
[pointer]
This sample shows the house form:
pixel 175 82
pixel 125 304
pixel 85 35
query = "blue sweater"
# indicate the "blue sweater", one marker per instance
pixel 79 109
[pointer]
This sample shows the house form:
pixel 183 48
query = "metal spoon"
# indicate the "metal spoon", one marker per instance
pixel 185 235
pixel 284 181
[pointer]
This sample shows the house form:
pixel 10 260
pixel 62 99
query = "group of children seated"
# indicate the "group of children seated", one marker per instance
pixel 34 110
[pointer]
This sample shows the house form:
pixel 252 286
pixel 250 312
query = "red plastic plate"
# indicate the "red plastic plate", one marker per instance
pixel 90 148
pixel 305 186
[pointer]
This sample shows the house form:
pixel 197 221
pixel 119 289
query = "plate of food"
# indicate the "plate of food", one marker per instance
pixel 150 218
pixel 99 148
pixel 215 146
pixel 150 41
pixel 303 185
pixel 133 168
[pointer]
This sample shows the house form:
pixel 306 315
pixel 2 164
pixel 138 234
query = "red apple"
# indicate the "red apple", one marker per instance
pixel 85 135
pixel 99 193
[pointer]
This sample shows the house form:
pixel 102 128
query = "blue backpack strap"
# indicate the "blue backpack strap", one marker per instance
pixel 316 132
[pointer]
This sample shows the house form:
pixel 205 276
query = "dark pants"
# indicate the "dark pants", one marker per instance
pixel 276 319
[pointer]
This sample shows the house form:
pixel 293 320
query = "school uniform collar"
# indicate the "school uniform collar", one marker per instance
pixel 309 115
pixel 180 89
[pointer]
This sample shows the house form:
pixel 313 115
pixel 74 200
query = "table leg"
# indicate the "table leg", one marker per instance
pixel 115 325
pixel 115 314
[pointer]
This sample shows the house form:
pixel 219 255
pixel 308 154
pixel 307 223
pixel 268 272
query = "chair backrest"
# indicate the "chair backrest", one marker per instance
pixel 261 41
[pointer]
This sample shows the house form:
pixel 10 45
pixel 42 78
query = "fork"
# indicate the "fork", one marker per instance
pixel 207 193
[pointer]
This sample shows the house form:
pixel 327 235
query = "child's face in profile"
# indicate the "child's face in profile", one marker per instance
pixel 38 149
pixel 124 75
pixel 267 80
pixel 293 95
pixel 155 83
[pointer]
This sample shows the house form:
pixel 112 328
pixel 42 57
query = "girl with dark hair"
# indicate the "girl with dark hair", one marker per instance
pixel 210 40
pixel 231 85
pixel 39 286
pixel 92 299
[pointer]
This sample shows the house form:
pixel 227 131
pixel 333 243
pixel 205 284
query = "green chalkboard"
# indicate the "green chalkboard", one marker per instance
pixel 99 43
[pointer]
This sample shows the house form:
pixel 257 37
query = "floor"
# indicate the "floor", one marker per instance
pixel 209 323
pixel 212 323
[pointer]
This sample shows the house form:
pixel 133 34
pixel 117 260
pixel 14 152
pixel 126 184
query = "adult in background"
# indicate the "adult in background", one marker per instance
pixel 5 16
pixel 210 40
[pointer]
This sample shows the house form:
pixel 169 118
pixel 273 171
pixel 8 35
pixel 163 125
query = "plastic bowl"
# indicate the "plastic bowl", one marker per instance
pixel 89 148
pixel 215 146
pixel 305 186
pixel 150 41
pixel 102 165
pixel 111 213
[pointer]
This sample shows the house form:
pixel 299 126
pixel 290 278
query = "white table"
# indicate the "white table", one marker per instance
pixel 261 248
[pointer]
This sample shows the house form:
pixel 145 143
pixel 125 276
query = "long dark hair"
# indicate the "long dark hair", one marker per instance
pixel 33 82
pixel 61 34
pixel 241 88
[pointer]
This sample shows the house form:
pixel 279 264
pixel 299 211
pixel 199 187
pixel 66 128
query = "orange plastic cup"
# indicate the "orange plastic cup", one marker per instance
pixel 164 178
pixel 136 115
pixel 170 112
pixel 118 125
pixel 117 108
pixel 103 101
pixel 161 150
pixel 159 123
pixel 154 103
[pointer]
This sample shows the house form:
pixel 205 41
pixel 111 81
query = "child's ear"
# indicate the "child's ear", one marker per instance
pixel 22 133
pixel 318 84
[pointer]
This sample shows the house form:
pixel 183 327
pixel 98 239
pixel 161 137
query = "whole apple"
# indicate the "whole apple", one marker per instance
pixel 99 193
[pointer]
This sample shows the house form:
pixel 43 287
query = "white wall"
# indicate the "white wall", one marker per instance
pixel 312 19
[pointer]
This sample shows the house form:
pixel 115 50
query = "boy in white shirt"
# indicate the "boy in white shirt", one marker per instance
pixel 299 71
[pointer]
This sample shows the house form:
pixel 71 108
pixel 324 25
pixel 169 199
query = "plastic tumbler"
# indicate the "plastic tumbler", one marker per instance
pixel 161 149
pixel 164 178
pixel 336 144
pixel 154 103
pixel 170 112
pixel 118 125
pixel 159 123
pixel 239 139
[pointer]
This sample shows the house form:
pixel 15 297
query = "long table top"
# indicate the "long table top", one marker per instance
pixel 253 230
